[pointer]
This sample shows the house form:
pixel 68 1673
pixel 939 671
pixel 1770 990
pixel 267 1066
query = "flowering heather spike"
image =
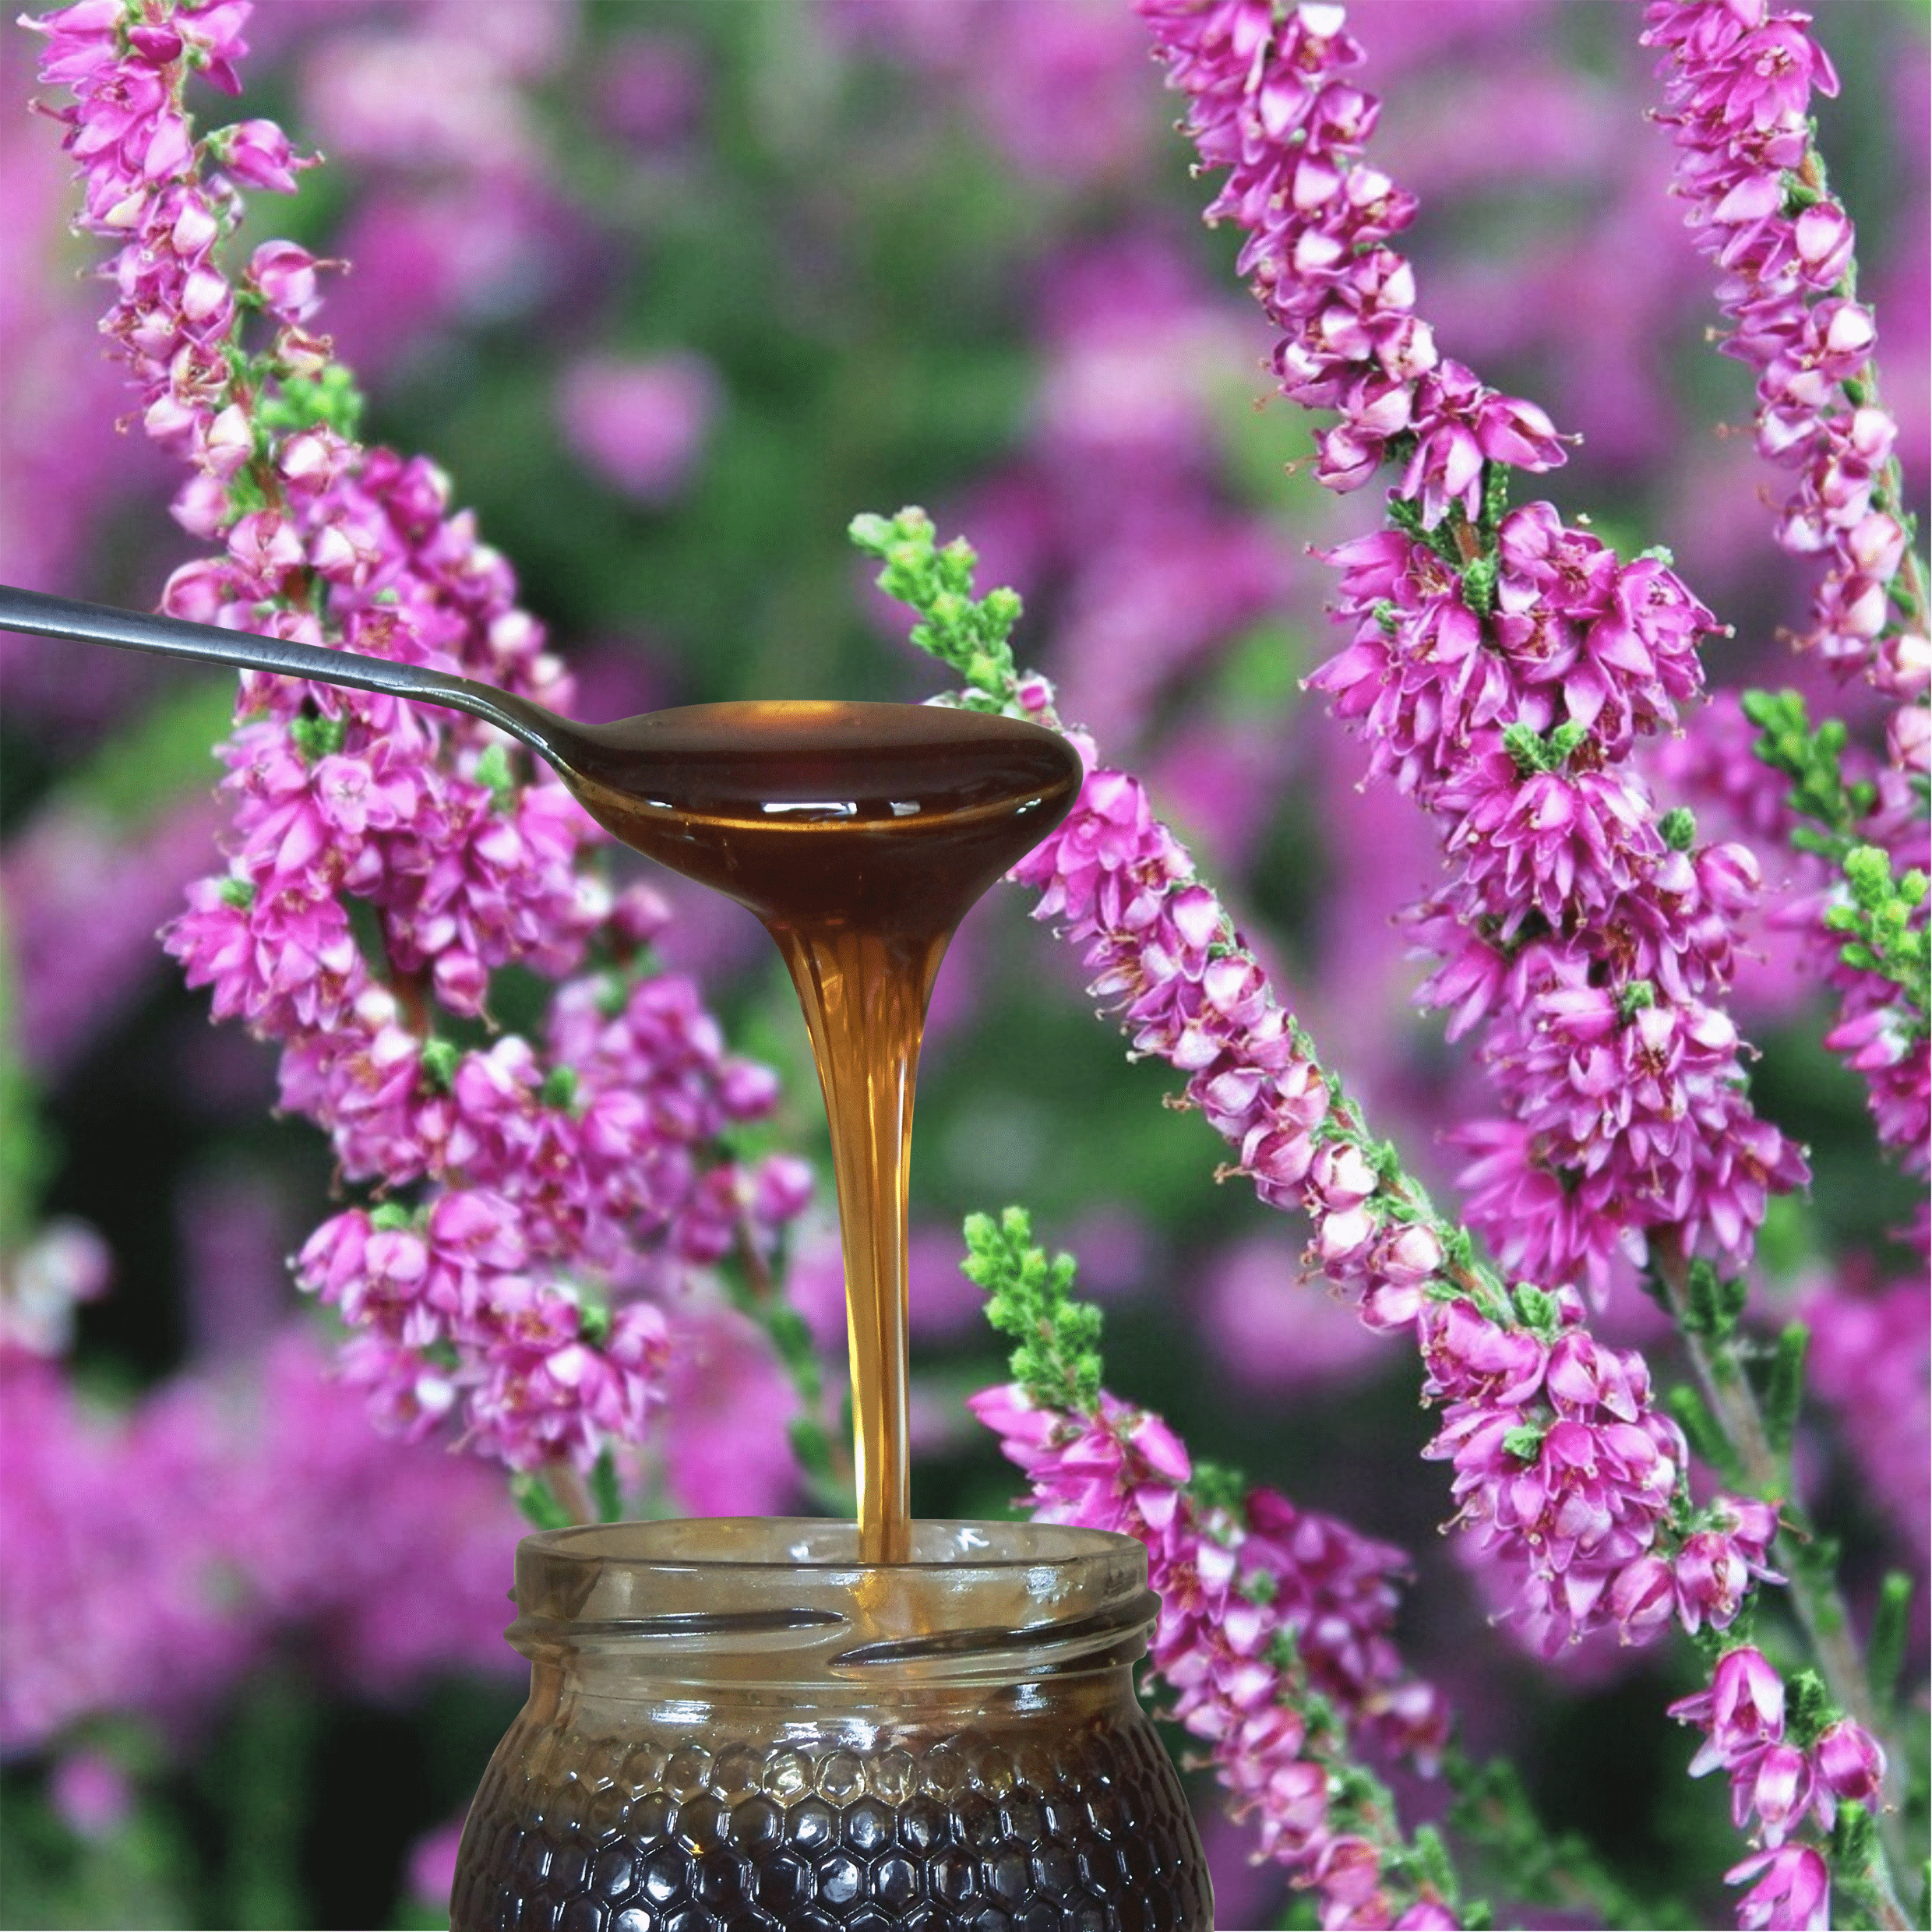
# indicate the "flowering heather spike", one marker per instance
pixel 1739 82
pixel 540 1194
pixel 1783 1774
pixel 1565 1471
pixel 1269 100
pixel 1501 667
pixel 1273 1632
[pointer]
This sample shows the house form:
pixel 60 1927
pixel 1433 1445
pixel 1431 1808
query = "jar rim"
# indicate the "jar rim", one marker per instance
pixel 975 1595
pixel 815 1543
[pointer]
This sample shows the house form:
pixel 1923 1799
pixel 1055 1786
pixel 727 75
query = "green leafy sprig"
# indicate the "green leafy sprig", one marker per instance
pixel 1881 917
pixel 970 633
pixel 1030 1300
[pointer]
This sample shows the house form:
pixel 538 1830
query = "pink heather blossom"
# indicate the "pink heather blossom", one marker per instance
pixel 1232 1592
pixel 1777 1787
pixel 1866 1365
pixel 1777 1781
pixel 1849 1768
pixel 157 1554
pixel 1792 1892
pixel 1742 1711
pixel 91 1793
pixel 1718 1566
pixel 1502 678
pixel 1739 87
pixel 1625 1121
pixel 1563 1471
pixel 565 1186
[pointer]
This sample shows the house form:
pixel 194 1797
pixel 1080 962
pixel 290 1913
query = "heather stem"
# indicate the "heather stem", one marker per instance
pixel 1906 591
pixel 1764 1469
pixel 1492 1810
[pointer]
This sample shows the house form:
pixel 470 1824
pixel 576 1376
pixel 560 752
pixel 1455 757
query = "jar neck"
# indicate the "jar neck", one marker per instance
pixel 764 1608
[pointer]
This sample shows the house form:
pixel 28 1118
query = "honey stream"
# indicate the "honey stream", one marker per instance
pixel 860 835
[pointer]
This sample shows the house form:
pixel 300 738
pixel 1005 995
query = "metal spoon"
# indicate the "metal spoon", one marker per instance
pixel 554 738
pixel 702 788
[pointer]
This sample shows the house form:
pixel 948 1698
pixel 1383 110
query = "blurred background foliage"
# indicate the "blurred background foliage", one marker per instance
pixel 672 289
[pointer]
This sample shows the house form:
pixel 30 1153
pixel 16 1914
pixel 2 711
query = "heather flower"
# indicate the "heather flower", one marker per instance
pixel 1867 1366
pixel 159 1553
pixel 1849 1767
pixel 1793 1889
pixel 1502 667
pixel 1613 645
pixel 558 1200
pixel 1562 846
pixel 1561 1467
pixel 1242 1593
pixel 1777 1787
pixel 1717 1567
pixel 1739 96
pixel 640 424
pixel 1416 677
pixel 1777 1781
pixel 1742 1711
pixel 90 1793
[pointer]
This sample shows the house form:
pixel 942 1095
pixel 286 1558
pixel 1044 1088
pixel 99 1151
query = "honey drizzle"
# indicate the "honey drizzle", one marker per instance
pixel 860 835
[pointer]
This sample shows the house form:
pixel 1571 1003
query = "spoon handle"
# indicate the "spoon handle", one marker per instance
pixel 39 614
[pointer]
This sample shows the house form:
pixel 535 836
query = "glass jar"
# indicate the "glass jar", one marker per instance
pixel 735 1725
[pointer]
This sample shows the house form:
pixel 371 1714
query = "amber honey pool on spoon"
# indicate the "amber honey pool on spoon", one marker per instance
pixel 786 1723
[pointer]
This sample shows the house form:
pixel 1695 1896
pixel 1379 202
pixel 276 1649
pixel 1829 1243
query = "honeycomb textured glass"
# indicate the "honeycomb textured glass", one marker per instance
pixel 735 1726
pixel 1087 1833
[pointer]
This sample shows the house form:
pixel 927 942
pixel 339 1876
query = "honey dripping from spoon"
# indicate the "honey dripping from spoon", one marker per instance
pixel 860 835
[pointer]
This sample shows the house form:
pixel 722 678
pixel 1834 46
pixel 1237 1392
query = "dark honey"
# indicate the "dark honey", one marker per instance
pixel 790 1758
pixel 955 1832
pixel 887 819
pixel 860 834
